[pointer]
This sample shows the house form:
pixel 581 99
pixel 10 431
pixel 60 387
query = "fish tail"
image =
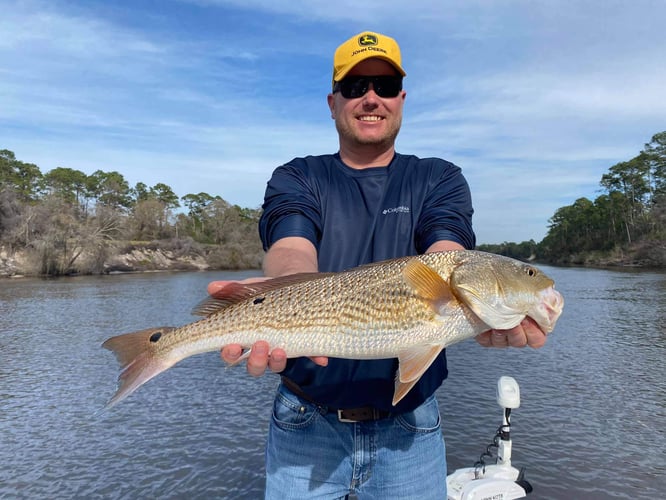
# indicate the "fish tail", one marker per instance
pixel 138 360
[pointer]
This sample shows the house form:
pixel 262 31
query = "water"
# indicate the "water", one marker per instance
pixel 592 422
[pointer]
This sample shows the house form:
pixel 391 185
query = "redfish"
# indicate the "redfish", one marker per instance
pixel 408 308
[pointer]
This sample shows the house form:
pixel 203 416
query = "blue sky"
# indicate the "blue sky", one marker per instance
pixel 533 99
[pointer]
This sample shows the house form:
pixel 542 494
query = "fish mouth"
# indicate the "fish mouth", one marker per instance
pixel 548 309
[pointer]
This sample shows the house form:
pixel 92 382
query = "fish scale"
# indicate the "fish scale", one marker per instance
pixel 410 308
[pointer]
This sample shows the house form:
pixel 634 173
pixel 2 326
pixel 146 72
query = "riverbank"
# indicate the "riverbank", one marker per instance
pixel 135 257
pixel 643 255
pixel 186 255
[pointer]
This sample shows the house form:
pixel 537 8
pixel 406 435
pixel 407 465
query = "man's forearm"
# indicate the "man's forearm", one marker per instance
pixel 290 256
pixel 444 245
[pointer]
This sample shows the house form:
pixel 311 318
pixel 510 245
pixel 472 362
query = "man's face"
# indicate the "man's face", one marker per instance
pixel 369 119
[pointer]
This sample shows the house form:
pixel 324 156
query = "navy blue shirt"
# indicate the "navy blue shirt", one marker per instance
pixel 355 217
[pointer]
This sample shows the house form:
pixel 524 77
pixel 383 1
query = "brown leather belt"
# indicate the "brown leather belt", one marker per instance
pixel 362 414
pixel 346 415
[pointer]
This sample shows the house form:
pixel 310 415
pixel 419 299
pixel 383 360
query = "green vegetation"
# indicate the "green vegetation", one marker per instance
pixel 625 225
pixel 65 221
pixel 69 222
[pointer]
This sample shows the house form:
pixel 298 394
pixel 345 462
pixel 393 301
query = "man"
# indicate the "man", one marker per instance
pixel 334 430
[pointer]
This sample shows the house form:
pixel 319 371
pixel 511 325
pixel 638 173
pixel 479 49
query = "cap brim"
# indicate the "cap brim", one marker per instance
pixel 345 70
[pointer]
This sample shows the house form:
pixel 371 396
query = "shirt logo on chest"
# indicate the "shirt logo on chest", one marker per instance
pixel 402 209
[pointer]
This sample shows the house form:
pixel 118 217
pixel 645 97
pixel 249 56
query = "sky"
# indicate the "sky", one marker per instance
pixel 534 99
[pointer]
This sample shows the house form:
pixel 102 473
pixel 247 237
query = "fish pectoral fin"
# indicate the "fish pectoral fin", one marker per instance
pixel 413 363
pixel 428 284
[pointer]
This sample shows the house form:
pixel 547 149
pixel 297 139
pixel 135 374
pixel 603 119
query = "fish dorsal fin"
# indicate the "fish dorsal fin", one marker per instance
pixel 235 292
pixel 427 283
pixel 413 363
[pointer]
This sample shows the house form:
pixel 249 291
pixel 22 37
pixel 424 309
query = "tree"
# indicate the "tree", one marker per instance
pixel 217 215
pixel 11 211
pixel 109 189
pixel 165 194
pixel 67 183
pixel 169 200
pixel 147 217
pixel 140 192
pixel 7 160
pixel 23 178
pixel 655 153
pixel 525 250
pixel 631 179
pixel 197 205
pixel 609 210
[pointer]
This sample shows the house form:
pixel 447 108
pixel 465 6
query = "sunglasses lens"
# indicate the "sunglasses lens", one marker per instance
pixel 351 88
pixel 387 86
pixel 356 86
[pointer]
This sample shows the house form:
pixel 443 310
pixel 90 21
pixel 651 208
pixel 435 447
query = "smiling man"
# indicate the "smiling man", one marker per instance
pixel 373 122
pixel 334 429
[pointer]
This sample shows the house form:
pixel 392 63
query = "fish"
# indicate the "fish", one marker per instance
pixel 408 308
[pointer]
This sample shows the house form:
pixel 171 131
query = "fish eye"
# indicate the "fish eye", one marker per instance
pixel 531 272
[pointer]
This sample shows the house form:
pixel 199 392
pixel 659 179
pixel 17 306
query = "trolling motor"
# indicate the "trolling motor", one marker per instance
pixel 498 481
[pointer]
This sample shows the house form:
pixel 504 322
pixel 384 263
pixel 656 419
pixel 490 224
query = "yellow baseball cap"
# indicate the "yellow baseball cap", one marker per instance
pixel 363 46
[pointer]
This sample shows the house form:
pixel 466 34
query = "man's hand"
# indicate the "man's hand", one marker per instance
pixel 215 287
pixel 261 358
pixel 527 333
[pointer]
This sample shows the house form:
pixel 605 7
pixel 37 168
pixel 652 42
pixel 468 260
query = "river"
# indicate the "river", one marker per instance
pixel 591 425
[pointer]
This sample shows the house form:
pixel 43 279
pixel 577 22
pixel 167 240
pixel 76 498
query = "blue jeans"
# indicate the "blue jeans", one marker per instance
pixel 311 454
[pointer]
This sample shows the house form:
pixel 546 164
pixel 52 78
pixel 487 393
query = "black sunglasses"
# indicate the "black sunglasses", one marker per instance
pixel 357 86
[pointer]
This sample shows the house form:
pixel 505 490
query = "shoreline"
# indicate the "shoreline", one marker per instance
pixel 159 261
pixel 144 258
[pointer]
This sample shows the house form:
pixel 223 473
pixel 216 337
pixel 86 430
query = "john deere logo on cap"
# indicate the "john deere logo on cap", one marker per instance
pixel 366 40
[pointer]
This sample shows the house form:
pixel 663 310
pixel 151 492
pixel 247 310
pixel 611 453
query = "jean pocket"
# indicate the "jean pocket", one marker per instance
pixel 423 419
pixel 291 412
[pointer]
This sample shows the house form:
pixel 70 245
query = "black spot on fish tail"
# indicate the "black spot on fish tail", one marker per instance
pixel 155 336
pixel 258 300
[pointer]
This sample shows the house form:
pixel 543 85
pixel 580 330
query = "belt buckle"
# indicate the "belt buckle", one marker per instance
pixel 345 420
